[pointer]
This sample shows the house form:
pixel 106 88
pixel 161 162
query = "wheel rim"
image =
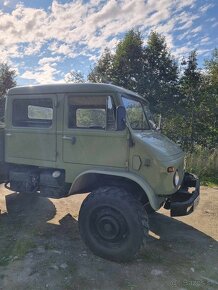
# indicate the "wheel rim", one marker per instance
pixel 108 225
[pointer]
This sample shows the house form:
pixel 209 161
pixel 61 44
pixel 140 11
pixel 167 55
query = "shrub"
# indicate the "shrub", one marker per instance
pixel 204 163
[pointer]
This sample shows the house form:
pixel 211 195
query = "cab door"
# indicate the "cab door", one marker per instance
pixel 89 135
pixel 30 134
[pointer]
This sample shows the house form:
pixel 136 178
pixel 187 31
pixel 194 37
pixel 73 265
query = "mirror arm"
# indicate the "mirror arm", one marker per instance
pixel 120 118
pixel 131 141
pixel 159 123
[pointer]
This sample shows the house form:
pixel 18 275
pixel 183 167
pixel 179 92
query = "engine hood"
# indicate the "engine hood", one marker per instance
pixel 159 145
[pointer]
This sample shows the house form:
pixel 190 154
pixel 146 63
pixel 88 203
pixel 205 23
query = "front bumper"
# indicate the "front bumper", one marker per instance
pixel 183 202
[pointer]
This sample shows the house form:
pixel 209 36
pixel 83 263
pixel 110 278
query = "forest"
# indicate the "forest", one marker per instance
pixel 184 94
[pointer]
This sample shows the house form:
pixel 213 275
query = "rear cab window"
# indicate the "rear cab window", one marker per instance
pixel 32 112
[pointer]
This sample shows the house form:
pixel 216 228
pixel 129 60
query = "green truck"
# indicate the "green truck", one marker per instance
pixel 64 139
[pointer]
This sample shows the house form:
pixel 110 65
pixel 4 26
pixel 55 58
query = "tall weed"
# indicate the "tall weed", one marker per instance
pixel 204 163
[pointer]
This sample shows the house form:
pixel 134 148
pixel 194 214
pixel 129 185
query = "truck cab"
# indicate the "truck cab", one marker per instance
pixel 59 140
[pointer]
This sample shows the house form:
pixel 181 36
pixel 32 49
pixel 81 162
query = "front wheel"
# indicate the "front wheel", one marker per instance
pixel 149 209
pixel 113 224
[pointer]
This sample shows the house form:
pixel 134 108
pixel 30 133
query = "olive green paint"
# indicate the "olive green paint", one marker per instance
pixel 95 151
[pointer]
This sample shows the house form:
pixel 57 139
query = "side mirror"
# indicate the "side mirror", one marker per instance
pixel 121 118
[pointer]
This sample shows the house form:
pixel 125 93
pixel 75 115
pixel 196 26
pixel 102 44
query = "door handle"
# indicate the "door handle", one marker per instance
pixel 72 139
pixel 8 134
pixel 66 138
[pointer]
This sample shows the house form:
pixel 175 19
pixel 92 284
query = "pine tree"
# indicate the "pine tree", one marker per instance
pixel 191 93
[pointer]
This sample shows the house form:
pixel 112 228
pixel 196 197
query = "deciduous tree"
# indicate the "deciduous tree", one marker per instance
pixel 75 77
pixel 7 81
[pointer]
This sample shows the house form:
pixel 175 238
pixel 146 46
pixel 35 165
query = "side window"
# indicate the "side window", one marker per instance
pixel 90 112
pixel 32 113
pixel 90 118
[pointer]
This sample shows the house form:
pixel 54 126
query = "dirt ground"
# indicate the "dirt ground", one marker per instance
pixel 40 248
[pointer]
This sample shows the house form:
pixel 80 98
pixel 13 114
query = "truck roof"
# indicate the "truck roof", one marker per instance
pixel 70 88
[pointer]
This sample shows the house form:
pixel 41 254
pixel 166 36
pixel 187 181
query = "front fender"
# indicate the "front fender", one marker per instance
pixel 155 201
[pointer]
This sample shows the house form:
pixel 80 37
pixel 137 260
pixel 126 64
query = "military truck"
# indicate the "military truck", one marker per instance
pixel 100 139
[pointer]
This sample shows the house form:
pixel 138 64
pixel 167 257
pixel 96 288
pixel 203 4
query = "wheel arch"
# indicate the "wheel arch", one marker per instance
pixel 92 179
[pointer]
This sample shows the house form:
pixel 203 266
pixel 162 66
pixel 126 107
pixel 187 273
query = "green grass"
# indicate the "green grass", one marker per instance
pixel 204 163
pixel 209 181
pixel 22 247
pixel 17 249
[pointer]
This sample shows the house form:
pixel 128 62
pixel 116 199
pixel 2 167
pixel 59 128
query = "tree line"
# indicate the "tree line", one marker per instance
pixel 184 94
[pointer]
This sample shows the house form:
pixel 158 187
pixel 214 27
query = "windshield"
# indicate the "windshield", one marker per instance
pixel 138 114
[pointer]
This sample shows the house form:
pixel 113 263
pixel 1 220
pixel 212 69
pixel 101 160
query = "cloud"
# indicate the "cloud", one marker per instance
pixel 215 24
pixel 44 73
pixel 205 39
pixel 197 29
pixel 185 20
pixel 78 27
pixel 185 3
pixel 62 48
pixel 49 60
pixel 32 48
pixel 8 52
pixel 205 7
pixel 6 3
pixel 91 24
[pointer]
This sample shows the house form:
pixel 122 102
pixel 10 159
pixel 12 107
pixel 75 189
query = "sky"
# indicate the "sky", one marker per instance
pixel 43 40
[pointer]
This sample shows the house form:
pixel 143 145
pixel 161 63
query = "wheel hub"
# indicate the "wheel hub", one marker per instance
pixel 108 227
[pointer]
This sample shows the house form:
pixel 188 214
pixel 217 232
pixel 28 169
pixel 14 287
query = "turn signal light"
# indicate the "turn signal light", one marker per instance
pixel 170 169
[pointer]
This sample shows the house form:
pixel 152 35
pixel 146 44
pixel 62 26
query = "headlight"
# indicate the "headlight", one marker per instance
pixel 176 178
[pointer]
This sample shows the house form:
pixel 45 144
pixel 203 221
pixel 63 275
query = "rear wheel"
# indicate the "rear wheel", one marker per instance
pixel 113 224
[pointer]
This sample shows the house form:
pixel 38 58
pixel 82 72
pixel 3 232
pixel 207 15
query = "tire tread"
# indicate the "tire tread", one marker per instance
pixel 121 195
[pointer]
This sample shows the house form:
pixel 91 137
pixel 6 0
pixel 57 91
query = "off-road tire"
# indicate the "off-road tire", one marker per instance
pixel 113 224
pixel 149 209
